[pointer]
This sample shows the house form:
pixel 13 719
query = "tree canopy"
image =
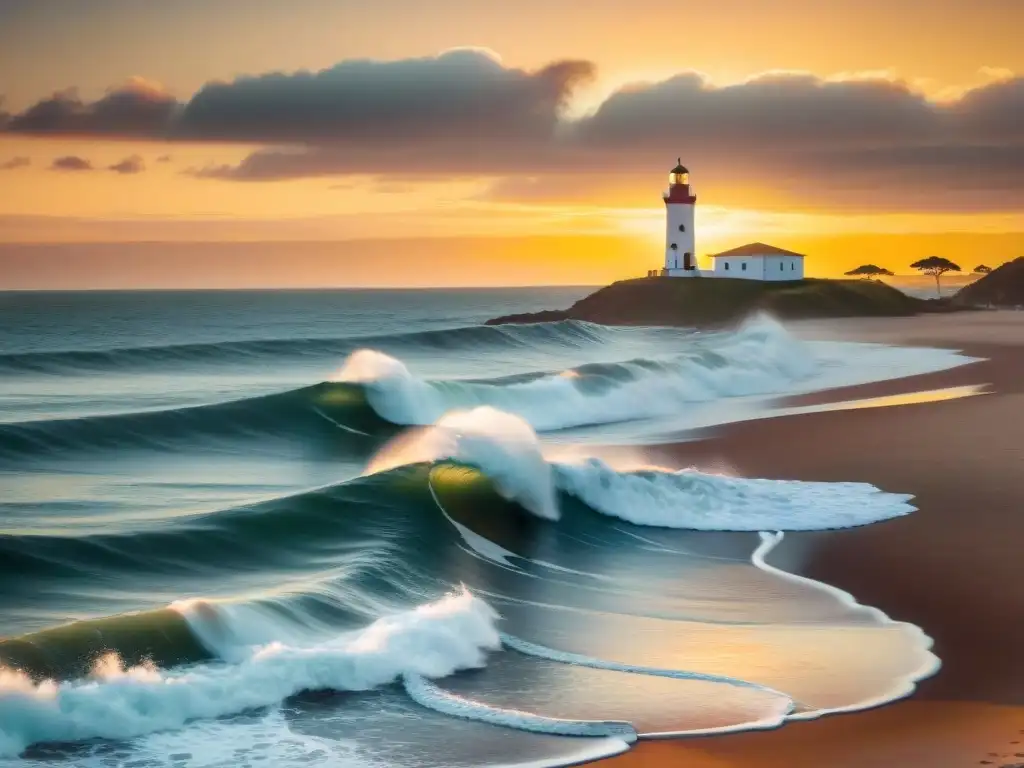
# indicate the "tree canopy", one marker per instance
pixel 981 269
pixel 936 266
pixel 870 270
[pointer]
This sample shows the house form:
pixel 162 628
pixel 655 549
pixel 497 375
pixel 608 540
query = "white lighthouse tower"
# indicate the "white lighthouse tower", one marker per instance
pixel 680 238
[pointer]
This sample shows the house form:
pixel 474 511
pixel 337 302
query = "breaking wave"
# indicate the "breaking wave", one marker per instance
pixel 761 357
pixel 114 702
pixel 506 450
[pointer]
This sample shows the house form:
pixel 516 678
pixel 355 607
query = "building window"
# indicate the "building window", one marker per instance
pixel 682 227
pixel 743 266
pixel 673 246
pixel 781 266
pixel 727 266
pixel 792 265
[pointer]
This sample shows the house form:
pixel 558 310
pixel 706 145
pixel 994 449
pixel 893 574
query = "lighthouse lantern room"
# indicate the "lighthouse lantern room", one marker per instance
pixel 680 241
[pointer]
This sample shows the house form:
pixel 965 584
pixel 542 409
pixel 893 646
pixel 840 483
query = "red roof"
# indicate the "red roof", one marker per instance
pixel 757 249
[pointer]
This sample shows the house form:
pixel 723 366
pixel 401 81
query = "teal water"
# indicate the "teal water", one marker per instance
pixel 245 528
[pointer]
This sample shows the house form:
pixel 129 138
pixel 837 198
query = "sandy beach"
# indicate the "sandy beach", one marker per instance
pixel 954 567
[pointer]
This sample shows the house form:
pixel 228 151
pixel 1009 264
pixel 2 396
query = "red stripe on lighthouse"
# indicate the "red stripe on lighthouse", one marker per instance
pixel 680 193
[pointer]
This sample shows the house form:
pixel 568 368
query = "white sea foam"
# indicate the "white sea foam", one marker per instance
pixel 429 695
pixel 239 742
pixel 777 706
pixel 505 449
pixel 272 741
pixel 759 358
pixel 700 501
pixel 433 640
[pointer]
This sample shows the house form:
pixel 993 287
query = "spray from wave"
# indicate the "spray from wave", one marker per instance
pixel 505 448
pixel 761 357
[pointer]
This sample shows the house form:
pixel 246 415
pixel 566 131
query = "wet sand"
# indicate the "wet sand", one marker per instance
pixel 955 567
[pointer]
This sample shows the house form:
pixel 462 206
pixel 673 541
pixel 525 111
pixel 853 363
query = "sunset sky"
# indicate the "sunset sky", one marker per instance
pixel 460 142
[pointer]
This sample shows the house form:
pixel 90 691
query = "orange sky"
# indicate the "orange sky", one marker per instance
pixel 940 49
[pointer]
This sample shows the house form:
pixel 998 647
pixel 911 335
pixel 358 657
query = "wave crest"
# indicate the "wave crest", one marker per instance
pixel 566 333
pixel 501 445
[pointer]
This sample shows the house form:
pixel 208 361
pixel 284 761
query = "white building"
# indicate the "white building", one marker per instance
pixel 755 261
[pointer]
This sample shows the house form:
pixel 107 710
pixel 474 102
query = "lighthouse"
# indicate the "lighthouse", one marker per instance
pixel 680 242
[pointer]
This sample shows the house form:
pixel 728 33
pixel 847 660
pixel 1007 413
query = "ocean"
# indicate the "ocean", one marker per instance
pixel 362 528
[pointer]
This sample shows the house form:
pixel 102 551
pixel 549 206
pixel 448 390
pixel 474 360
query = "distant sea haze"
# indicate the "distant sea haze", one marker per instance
pixel 428 262
pixel 923 286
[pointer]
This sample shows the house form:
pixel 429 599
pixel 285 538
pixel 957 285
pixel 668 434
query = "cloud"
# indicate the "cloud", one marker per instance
pixel 460 93
pixel 164 159
pixel 996 73
pixel 136 109
pixel 783 111
pixel 129 165
pixel 71 163
pixel 788 138
pixel 15 162
pixel 871 143
pixel 861 139
pixel 992 113
pixel 456 156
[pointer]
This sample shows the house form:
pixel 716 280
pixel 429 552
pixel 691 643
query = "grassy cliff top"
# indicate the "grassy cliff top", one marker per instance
pixel 1002 287
pixel 712 301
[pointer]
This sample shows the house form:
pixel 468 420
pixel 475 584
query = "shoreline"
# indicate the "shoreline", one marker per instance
pixel 953 567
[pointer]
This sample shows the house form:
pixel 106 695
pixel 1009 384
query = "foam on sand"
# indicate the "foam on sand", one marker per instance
pixel 902 686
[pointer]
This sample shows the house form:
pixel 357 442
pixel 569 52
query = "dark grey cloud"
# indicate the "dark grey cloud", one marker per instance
pixel 858 144
pixel 992 113
pixel 789 138
pixel 781 111
pixel 460 93
pixel 15 162
pixel 71 163
pixel 457 94
pixel 867 141
pixel 137 109
pixel 130 165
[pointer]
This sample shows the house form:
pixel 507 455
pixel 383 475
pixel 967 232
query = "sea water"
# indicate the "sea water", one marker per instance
pixel 362 528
